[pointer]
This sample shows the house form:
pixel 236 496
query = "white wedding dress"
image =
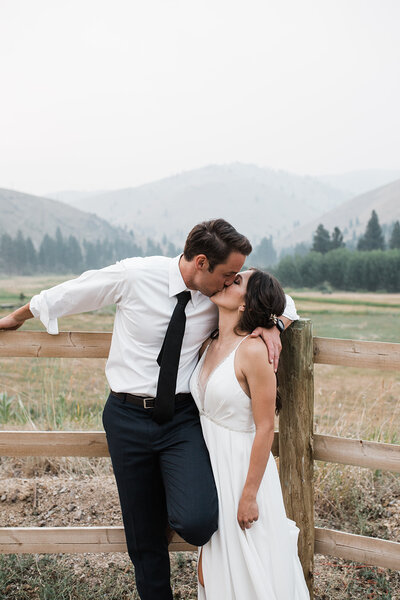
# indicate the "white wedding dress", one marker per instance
pixel 260 563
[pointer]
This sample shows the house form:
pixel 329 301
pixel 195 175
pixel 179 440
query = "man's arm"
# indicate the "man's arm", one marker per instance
pixel 272 337
pixel 89 291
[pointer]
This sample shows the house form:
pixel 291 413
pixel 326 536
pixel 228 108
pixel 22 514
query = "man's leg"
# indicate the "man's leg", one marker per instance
pixel 192 501
pixel 141 492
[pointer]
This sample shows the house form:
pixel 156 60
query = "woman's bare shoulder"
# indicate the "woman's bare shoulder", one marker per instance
pixel 254 347
pixel 253 353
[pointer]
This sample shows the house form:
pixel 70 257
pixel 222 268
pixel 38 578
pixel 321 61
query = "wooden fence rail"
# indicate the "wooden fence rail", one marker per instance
pixel 328 448
pixel 296 445
pixel 75 344
pixel 27 540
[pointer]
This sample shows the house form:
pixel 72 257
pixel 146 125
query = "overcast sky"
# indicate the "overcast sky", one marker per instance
pixel 108 94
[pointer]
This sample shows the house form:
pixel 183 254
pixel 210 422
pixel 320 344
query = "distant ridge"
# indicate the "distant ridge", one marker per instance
pixel 258 201
pixel 359 182
pixel 35 216
pixel 352 216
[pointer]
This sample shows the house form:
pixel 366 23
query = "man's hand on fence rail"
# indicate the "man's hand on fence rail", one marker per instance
pixel 17 318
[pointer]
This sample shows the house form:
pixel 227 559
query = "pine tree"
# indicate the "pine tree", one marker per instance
pixel 171 250
pixel 395 237
pixel 73 255
pixel 153 249
pixel 337 239
pixel 373 237
pixel 7 254
pixel 48 255
pixel 321 240
pixel 60 252
pixel 20 253
pixel 90 255
pixel 31 257
pixel 264 254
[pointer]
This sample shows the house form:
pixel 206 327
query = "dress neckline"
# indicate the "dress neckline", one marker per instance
pixel 201 364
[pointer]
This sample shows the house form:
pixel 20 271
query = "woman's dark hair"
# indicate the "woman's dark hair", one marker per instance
pixel 264 297
pixel 216 239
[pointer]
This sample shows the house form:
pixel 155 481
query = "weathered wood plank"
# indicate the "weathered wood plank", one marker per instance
pixel 27 540
pixel 69 344
pixel 64 443
pixel 32 540
pixel 88 344
pixel 53 443
pixel 367 550
pixel 296 466
pixel 354 353
pixel 375 455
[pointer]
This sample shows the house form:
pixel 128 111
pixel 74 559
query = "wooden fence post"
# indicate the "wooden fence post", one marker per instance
pixel 296 452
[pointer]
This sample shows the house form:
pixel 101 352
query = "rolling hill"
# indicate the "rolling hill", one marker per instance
pixel 258 201
pixel 36 216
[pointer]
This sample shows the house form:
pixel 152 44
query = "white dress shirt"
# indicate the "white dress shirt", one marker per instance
pixel 144 291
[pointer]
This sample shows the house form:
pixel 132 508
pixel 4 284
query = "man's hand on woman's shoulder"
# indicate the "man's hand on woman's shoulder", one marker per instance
pixel 272 339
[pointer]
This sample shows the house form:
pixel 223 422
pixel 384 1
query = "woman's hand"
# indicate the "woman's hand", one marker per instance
pixel 247 511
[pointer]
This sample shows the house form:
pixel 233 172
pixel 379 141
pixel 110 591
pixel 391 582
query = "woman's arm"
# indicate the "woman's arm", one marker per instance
pixel 261 380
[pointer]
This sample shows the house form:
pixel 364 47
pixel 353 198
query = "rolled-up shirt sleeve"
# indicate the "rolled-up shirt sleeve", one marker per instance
pixel 290 309
pixel 89 291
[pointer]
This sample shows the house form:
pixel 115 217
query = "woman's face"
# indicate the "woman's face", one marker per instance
pixel 232 296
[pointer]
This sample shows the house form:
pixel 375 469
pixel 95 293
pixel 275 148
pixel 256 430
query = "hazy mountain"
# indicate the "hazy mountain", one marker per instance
pixel 352 216
pixel 72 197
pixel 355 183
pixel 259 202
pixel 36 216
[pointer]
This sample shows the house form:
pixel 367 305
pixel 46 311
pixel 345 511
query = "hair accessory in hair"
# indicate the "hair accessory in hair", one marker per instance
pixel 273 318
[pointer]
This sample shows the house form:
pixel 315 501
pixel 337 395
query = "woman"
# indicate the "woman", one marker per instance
pixel 253 555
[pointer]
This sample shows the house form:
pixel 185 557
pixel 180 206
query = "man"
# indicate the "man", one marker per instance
pixel 159 457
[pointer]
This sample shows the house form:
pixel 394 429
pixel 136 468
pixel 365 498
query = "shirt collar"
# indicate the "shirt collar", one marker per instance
pixel 177 284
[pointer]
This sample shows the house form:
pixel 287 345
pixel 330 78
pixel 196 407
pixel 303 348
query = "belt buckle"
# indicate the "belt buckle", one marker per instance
pixel 145 401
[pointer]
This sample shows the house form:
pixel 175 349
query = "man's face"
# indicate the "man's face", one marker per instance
pixel 222 275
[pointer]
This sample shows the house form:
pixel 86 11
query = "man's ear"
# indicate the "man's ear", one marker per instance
pixel 201 262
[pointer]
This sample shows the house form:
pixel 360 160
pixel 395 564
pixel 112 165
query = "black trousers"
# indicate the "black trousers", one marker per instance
pixel 163 475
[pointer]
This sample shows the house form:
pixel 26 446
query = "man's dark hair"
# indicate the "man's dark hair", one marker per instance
pixel 216 239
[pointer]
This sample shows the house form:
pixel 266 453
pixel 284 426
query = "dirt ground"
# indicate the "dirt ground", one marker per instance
pixel 61 501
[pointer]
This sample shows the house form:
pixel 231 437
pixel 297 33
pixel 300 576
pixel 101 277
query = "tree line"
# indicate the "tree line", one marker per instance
pixel 61 254
pixel 342 269
pixel 373 266
pixel 372 239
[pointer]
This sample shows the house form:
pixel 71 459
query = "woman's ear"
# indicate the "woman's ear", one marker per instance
pixel 242 307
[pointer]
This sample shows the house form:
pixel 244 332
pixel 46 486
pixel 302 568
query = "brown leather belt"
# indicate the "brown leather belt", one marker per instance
pixel 147 401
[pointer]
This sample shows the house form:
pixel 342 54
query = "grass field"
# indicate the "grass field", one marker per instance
pixel 70 393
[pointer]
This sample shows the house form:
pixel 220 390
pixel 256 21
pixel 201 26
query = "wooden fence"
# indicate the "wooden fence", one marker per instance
pixel 296 445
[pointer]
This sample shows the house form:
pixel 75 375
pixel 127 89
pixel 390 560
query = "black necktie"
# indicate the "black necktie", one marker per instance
pixel 168 359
